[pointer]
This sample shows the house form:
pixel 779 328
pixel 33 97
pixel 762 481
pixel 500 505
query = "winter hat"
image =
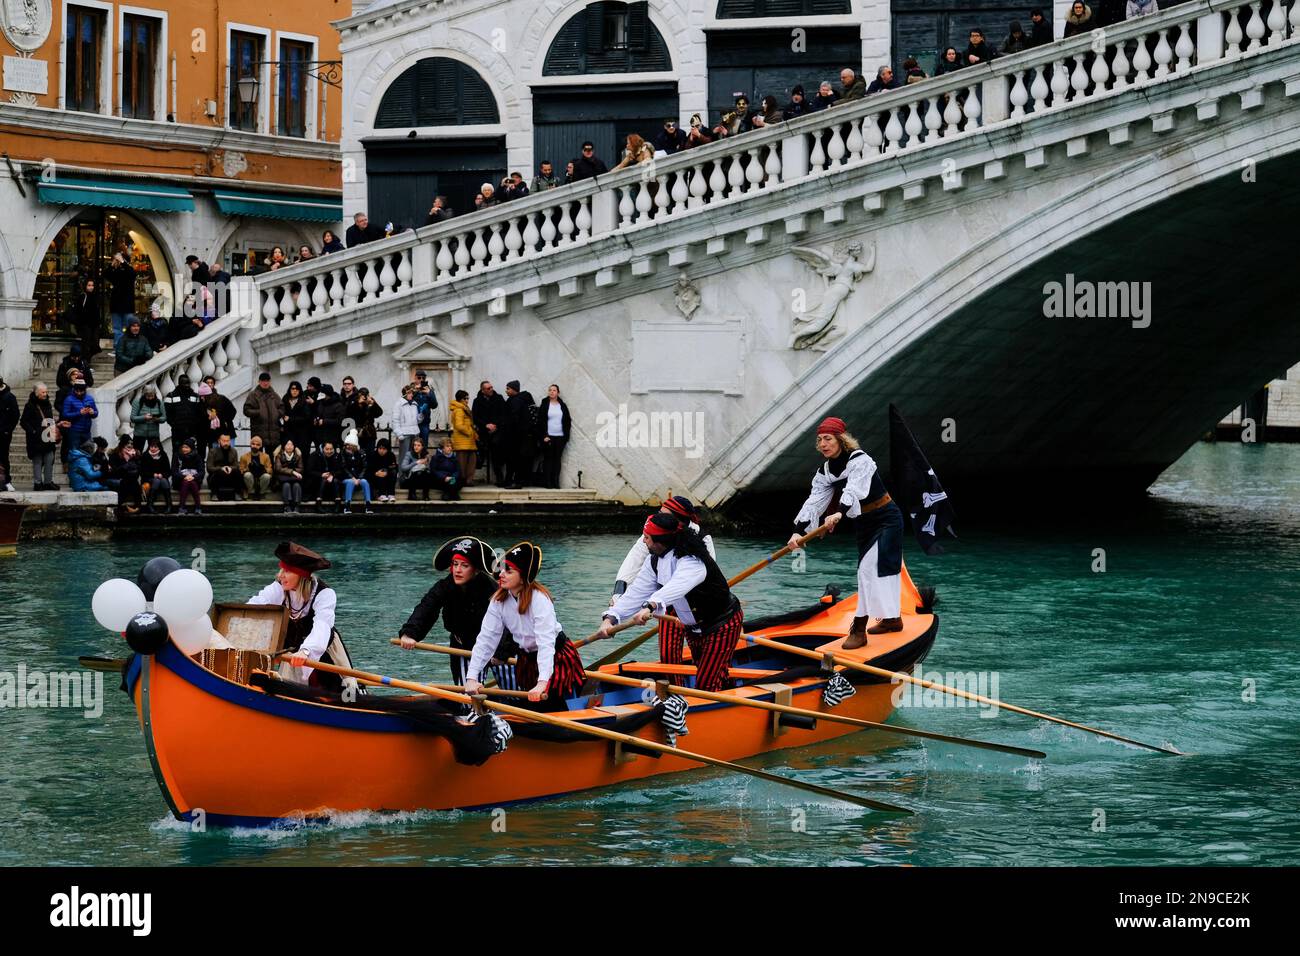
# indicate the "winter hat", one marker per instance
pixel 351 438
pixel 526 558
pixel 74 348
pixel 514 383
pixel 89 446
pixel 204 389
pixel 474 550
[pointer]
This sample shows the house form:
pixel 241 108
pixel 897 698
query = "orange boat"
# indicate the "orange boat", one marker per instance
pixel 246 757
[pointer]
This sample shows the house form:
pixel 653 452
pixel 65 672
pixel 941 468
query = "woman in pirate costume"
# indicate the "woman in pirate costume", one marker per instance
pixel 681 578
pixel 311 602
pixel 671 634
pixel 848 482
pixel 548 666
pixel 462 597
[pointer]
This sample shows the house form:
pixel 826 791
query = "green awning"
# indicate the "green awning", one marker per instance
pixel 279 206
pixel 116 194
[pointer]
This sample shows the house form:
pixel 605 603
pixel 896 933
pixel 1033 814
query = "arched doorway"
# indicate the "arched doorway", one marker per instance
pixel 82 249
pixel 404 174
pixel 603 38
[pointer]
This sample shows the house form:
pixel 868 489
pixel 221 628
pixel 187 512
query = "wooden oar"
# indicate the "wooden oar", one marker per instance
pixel 640 639
pixel 601 732
pixel 957 692
pixel 102 663
pixel 819 715
pixel 781 708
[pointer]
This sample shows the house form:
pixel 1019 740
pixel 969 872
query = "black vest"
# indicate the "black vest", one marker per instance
pixel 711 600
pixel 835 468
pixel 299 628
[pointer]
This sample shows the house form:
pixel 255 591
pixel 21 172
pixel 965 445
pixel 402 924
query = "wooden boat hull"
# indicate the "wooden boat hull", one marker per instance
pixel 247 758
pixel 11 523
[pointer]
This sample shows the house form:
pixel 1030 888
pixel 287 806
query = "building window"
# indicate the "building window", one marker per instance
pixel 742 9
pixel 245 63
pixel 608 37
pixel 82 58
pixel 437 91
pixel 294 57
pixel 139 66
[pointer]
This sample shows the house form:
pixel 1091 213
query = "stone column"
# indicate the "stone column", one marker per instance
pixel 16 340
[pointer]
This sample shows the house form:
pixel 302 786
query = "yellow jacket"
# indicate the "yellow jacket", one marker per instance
pixel 464 436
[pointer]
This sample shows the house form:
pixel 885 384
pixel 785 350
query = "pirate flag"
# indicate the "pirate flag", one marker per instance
pixel 917 487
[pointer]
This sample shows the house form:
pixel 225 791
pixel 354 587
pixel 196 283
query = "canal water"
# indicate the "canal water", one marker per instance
pixel 1188 636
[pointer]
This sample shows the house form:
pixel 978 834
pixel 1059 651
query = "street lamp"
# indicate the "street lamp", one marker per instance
pixel 247 87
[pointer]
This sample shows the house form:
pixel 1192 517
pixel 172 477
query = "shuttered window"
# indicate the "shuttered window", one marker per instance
pixel 608 37
pixel 437 91
pixel 139 64
pixel 741 9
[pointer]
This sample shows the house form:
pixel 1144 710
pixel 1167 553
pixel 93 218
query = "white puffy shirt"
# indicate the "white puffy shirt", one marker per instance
pixel 318 638
pixel 537 630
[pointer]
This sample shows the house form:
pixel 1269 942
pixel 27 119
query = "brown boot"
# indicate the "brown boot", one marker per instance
pixel 886 625
pixel 857 635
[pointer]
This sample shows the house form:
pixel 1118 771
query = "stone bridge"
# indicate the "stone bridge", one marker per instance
pixel 1070 263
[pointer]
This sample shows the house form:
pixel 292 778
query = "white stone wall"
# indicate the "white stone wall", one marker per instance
pixel 506 42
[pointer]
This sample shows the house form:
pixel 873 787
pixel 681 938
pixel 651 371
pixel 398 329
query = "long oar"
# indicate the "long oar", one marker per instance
pixel 820 715
pixel 775 556
pixel 102 663
pixel 955 691
pixel 545 718
pixel 782 709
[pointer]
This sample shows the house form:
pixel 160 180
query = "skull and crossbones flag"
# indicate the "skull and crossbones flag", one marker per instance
pixel 916 487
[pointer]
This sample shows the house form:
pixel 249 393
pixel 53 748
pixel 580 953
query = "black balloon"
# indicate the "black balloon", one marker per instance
pixel 153 572
pixel 146 632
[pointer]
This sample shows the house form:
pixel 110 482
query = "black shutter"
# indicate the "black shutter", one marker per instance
pixel 638 25
pixel 476 101
pixel 594 19
pixel 397 109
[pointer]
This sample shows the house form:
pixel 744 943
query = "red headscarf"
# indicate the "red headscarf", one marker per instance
pixel 832 426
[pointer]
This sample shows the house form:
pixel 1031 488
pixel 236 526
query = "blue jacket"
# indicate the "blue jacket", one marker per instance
pixel 443 466
pixel 81 424
pixel 84 476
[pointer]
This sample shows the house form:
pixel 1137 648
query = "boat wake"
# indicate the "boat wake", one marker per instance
pixel 324 822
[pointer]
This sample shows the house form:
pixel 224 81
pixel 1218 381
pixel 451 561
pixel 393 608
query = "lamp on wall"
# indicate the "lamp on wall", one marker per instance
pixel 247 87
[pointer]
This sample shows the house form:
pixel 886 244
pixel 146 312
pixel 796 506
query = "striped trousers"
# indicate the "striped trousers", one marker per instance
pixel 712 651
pixel 671 637
pixel 566 676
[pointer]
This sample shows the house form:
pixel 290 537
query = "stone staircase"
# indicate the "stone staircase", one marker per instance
pixel 102 368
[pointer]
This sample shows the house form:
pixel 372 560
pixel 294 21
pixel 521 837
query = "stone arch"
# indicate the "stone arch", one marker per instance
pixel 550 17
pixel 1089 207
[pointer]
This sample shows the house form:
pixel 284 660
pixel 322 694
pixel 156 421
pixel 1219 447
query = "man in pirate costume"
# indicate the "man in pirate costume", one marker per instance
pixel 311 634
pixel 547 663
pixel 681 578
pixel 462 597
pixel 848 483
pixel 671 634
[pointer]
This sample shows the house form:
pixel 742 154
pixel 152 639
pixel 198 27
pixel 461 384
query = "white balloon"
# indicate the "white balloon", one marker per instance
pixel 182 596
pixel 192 636
pixel 115 602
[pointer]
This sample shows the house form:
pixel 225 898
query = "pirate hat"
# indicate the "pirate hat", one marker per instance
pixel 477 552
pixel 526 558
pixel 296 558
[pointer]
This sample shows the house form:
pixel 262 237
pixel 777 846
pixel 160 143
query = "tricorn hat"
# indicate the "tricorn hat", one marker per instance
pixel 474 550
pixel 296 558
pixel 526 558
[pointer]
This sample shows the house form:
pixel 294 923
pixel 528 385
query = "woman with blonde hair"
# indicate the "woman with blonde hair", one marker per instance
pixel 848 483
pixel 547 664
pixel 310 633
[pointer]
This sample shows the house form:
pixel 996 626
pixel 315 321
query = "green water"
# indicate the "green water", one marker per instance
pixel 1197 604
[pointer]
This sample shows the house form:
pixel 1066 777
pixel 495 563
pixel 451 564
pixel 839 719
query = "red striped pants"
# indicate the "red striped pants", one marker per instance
pixel 566 676
pixel 713 650
pixel 671 636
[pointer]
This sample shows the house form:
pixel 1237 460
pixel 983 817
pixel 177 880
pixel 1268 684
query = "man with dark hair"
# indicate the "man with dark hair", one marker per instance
pixel 439 211
pixel 121 295
pixel 263 408
pixel 224 479
pixel 978 51
pixel 545 178
pixel 520 440
pixel 798 105
pixel 588 165
pixel 670 139
pixel 185 413
pixel 1041 30
pixel 489 412
pixel 885 80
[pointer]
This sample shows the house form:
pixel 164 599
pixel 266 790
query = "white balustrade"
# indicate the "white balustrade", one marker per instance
pixel 735 177
pixel 1078 79
pixel 933 118
pixel 1184 48
pixel 583 219
pixel 893 132
pixel 1120 67
pixel 496 245
pixel 817 158
pixel 1019 96
pixel 1254 28
pixel 643 202
pixel 856 143
pixel 1060 83
pixel 836 149
pixel 1232 35
pixel 1277 23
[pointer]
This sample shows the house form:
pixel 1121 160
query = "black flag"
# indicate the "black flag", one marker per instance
pixel 916 486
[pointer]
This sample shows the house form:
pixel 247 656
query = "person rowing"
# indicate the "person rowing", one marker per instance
pixel 547 664
pixel 671 633
pixel 462 597
pixel 312 603
pixel 681 578
pixel 849 483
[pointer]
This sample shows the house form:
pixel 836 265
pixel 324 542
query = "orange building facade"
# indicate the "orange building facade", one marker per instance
pixel 155 131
